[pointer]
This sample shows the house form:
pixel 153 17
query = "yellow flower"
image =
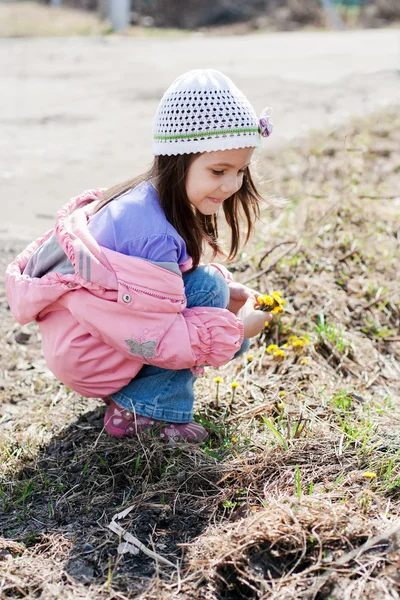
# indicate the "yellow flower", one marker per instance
pixel 276 310
pixel 271 348
pixel 281 405
pixel 266 324
pixel 234 385
pixel 369 475
pixel 279 354
pixel 282 394
pixel 304 361
pixel 234 440
pixel 271 303
pixel 277 296
pixel 304 339
pixel 250 357
pixel 298 346
pixel 218 380
pixel 292 338
pixel 266 302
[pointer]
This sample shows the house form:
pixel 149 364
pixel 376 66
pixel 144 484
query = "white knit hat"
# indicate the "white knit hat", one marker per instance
pixel 203 111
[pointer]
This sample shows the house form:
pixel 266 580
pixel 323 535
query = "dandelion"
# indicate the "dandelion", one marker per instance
pixel 369 475
pixel 277 296
pixel 266 302
pixel 281 405
pixel 250 357
pixel 279 354
pixel 277 310
pixel 217 380
pixel 234 385
pixel 291 339
pixel 271 348
pixel 281 394
pixel 234 440
pixel 304 361
pixel 272 303
pixel 298 346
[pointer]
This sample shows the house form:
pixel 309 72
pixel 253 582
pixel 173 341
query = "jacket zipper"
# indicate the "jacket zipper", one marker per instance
pixel 165 296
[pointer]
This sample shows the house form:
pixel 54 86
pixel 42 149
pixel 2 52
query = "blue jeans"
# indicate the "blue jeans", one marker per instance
pixel 165 394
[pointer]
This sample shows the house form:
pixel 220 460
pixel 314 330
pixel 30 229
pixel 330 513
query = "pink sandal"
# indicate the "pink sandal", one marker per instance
pixel 120 422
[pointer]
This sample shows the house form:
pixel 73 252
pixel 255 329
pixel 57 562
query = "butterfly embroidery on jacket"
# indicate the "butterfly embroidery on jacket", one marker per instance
pixel 144 349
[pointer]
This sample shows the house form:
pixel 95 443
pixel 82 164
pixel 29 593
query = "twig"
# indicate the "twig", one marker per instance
pixel 264 256
pixel 379 197
pixel 250 411
pixel 128 537
pixel 272 264
pixel 352 250
pixel 353 555
pixel 378 539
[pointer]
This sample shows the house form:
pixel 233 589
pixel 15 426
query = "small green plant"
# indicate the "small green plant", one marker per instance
pixel 297 481
pixel 276 433
pixel 24 490
pixel 137 468
pixel 375 329
pixel 342 400
pixel 328 331
pixel 229 504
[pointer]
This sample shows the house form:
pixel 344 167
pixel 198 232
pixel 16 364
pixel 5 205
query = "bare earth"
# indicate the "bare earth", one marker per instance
pixel 77 112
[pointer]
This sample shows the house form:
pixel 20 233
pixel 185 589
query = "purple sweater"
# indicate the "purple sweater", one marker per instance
pixel 136 225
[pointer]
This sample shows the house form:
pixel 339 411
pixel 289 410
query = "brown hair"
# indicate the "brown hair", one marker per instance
pixel 168 173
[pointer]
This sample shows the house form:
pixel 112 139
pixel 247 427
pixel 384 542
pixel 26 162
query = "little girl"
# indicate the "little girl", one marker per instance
pixel 126 311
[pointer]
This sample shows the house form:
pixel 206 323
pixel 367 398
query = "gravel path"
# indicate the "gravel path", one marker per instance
pixel 77 113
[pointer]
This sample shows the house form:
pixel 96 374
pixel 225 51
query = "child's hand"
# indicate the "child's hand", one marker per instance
pixel 253 320
pixel 239 294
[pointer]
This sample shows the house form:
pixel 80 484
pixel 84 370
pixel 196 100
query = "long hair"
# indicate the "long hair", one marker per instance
pixel 168 174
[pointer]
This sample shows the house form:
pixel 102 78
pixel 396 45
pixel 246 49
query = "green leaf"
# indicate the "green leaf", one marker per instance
pixel 275 432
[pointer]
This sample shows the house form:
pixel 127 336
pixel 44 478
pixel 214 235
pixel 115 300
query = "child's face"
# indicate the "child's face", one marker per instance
pixel 214 176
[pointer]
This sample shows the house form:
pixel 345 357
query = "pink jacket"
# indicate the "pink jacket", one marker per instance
pixel 100 324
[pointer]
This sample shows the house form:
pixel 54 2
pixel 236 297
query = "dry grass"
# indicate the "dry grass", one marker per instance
pixel 32 19
pixel 26 19
pixel 278 504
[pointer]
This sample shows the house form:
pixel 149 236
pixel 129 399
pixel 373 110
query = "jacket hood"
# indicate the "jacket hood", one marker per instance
pixel 89 265
pixel 28 296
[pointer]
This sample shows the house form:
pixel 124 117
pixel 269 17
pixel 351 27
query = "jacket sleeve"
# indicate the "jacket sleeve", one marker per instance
pixel 171 339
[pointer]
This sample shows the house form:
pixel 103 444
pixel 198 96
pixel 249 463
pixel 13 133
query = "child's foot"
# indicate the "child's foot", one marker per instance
pixel 120 422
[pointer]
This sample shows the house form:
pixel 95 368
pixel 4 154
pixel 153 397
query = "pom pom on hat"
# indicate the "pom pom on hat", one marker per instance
pixel 203 111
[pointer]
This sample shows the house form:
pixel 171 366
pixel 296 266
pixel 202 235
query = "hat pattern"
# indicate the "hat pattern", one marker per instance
pixel 204 111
